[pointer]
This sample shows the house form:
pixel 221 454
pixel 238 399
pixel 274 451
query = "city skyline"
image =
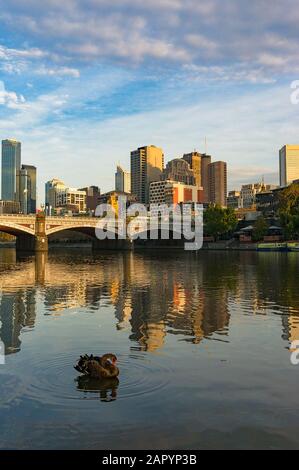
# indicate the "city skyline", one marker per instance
pixel 67 90
pixel 41 199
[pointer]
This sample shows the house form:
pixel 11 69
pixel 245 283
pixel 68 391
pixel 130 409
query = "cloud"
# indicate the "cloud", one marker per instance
pixel 30 53
pixel 10 98
pixel 189 32
pixel 239 73
pixel 58 71
pixel 34 61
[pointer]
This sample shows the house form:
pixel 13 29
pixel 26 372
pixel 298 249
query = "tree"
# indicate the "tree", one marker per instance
pixel 288 210
pixel 260 229
pixel 219 221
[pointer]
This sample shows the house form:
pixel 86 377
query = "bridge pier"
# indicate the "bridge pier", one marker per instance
pixel 37 242
pixel 32 243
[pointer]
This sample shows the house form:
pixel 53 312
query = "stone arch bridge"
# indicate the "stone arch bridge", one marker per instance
pixel 32 231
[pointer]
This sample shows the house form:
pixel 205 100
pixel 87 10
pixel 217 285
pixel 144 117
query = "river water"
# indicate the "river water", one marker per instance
pixel 202 339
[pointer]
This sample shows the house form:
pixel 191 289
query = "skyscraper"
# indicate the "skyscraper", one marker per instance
pixel 51 189
pixel 199 162
pixel 147 164
pixel 288 164
pixel 179 170
pixel 11 165
pixel 93 194
pixel 28 189
pixel 205 162
pixel 194 160
pixel 218 183
pixel 122 180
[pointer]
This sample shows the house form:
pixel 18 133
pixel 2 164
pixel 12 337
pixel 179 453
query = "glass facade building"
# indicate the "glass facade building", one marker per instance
pixel 11 165
pixel 28 189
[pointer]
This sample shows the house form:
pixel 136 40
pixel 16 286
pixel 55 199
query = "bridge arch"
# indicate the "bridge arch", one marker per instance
pixel 87 229
pixel 16 229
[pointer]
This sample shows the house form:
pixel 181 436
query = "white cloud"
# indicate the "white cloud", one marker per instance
pixel 198 40
pixel 10 98
pixel 213 33
pixel 18 61
pixel 30 53
pixel 240 73
pixel 58 71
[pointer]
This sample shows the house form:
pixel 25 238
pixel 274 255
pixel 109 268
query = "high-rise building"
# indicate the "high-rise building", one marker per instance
pixel 288 164
pixel 199 162
pixel 51 189
pixel 205 162
pixel 194 160
pixel 174 192
pixel 179 170
pixel 11 166
pixel 147 164
pixel 122 180
pixel 70 200
pixel 28 189
pixel 93 195
pixel 218 183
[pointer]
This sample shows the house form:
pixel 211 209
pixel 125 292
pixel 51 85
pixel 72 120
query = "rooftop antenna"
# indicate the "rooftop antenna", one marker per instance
pixel 205 145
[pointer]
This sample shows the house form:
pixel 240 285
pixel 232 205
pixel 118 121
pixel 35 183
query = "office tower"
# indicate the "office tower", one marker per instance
pixel 70 200
pixel 288 164
pixel 122 180
pixel 205 162
pixel 147 164
pixel 218 183
pixel 174 192
pixel 194 160
pixel 179 170
pixel 51 189
pixel 28 189
pixel 11 165
pixel 93 195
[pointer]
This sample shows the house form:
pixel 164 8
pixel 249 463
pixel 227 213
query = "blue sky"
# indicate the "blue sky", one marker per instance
pixel 83 82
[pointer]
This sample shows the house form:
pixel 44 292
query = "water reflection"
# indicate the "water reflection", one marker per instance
pixel 106 390
pixel 17 312
pixel 188 295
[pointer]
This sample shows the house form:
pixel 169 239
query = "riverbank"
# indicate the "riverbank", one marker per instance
pixel 207 246
pixel 236 246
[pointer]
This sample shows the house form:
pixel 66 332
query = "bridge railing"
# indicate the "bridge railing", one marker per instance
pixel 18 215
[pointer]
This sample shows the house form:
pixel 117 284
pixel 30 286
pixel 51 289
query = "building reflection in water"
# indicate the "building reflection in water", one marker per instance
pixel 17 312
pixel 184 294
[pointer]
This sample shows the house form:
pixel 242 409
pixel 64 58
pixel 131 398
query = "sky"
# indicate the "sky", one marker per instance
pixel 84 82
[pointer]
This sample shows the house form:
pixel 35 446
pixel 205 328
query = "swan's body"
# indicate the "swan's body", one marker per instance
pixel 98 367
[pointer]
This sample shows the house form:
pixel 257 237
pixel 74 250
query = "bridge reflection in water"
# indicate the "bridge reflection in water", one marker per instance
pixel 152 295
